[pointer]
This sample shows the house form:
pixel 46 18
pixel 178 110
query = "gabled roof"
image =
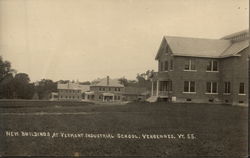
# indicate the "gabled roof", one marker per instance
pixel 73 86
pixel 235 48
pixel 244 32
pixel 104 83
pixel 198 47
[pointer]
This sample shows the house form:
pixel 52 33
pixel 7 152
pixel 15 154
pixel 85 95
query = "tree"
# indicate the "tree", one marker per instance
pixel 123 81
pixel 6 77
pixel 22 88
pixel 5 68
pixel 63 81
pixel 144 79
pixel 95 81
pixel 45 87
pixel 85 83
pixel 6 87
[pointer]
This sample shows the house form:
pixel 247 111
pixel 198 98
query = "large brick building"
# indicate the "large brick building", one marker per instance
pixel 71 91
pixel 203 70
pixel 105 90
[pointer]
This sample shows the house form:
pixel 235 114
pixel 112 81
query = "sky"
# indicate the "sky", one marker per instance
pixel 88 39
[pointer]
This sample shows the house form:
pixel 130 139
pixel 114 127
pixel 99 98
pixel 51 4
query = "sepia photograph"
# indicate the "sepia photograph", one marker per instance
pixel 130 78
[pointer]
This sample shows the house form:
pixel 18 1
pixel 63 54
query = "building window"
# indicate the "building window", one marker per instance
pixel 212 65
pixel 189 86
pixel 119 89
pixel 212 87
pixel 109 89
pixel 166 66
pixel 168 50
pixel 115 97
pixel 189 65
pixel 171 64
pixel 118 97
pixel 161 66
pixel 227 88
pixel 242 88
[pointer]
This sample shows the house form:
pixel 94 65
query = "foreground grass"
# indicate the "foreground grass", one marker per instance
pixel 220 130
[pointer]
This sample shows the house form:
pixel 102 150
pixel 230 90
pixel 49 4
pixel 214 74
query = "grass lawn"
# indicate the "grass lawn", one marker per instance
pixel 219 130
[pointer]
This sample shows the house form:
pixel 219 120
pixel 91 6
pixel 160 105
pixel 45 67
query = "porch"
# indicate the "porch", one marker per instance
pixel 161 88
pixel 89 96
pixel 108 97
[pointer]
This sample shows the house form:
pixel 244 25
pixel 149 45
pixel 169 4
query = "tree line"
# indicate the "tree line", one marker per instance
pixel 15 85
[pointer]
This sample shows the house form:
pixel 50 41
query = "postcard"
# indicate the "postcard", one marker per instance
pixel 132 78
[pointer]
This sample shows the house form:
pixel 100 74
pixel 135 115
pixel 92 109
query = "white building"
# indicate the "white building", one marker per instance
pixel 71 91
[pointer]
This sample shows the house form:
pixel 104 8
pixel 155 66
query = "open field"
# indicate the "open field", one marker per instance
pixel 218 130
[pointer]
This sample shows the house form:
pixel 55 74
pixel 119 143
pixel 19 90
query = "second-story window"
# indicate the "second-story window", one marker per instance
pixel 161 66
pixel 166 66
pixel 189 65
pixel 212 65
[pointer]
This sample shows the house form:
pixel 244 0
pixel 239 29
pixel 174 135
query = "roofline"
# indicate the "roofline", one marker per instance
pixel 157 55
pixel 235 34
pixel 174 54
pixel 220 57
pixel 215 57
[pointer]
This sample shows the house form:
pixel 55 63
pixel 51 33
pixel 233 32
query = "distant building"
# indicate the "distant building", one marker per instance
pixel 71 91
pixel 54 96
pixel 106 90
pixel 203 70
pixel 135 94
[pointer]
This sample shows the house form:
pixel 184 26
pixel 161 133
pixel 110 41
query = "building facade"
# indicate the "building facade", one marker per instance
pixel 71 91
pixel 135 94
pixel 203 70
pixel 106 90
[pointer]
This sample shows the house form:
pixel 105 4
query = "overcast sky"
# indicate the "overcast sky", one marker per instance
pixel 87 39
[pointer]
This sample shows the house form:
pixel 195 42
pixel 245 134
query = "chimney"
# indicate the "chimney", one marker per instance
pixel 107 80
